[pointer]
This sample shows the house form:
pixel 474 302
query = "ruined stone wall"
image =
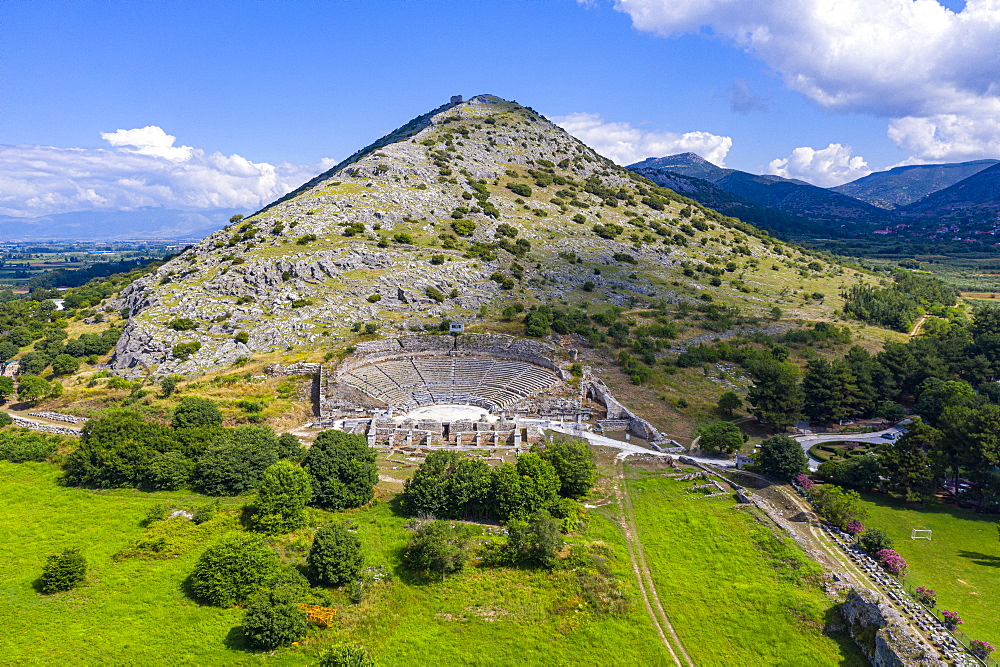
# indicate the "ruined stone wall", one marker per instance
pixel 599 391
pixel 883 634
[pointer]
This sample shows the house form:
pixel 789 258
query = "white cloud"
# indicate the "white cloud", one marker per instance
pixel 626 144
pixel 946 137
pixel 898 59
pixel 826 167
pixel 144 169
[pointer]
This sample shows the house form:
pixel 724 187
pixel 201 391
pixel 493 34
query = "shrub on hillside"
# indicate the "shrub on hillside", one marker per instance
pixel 719 436
pixel 335 558
pixel 342 468
pixel 195 412
pixel 232 571
pixel 63 571
pixel 439 547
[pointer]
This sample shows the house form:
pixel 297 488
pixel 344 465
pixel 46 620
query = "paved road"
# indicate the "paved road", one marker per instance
pixel 627 449
pixel 874 438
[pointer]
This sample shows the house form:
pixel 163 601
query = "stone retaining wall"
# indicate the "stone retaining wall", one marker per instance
pixel 44 428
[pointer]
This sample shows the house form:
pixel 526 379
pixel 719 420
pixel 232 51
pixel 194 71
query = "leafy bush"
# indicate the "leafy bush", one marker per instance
pixel 168 471
pixel 345 655
pixel 463 227
pixel 195 412
pixel 183 351
pixel 874 540
pixel 439 547
pixel 273 618
pixel 242 337
pixel 234 463
pixel 232 571
pixel 435 294
pixel 182 324
pixel 165 538
pixel 63 571
pixel 335 558
pixel 521 189
pixel 21 446
pixel 32 387
pixel 781 457
pixel 305 239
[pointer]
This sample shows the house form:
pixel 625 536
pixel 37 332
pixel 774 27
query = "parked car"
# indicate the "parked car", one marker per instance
pixel 890 435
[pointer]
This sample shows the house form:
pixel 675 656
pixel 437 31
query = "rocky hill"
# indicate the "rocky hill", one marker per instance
pixel 897 187
pixel 821 211
pixel 464 210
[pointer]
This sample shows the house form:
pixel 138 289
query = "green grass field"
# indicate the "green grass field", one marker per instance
pixel 961 561
pixel 136 612
pixel 734 593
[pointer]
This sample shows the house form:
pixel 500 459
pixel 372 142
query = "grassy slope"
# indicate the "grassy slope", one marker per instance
pixel 135 611
pixel 961 561
pixel 734 594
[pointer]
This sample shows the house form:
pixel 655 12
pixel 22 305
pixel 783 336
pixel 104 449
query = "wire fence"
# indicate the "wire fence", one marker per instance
pixel 959 636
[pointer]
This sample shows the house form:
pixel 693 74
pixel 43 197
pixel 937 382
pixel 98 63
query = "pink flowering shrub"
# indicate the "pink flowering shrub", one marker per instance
pixel 951 619
pixel 926 596
pixel 981 648
pixel 891 562
pixel 855 527
pixel 804 481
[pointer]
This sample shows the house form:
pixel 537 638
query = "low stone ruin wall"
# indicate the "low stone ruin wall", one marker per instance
pixel 883 633
pixel 58 416
pixel 294 369
pixel 44 428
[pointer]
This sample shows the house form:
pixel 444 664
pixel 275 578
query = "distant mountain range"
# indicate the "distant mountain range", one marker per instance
pixel 959 200
pixel 145 223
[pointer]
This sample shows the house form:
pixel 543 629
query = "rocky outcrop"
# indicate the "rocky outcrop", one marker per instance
pixel 883 633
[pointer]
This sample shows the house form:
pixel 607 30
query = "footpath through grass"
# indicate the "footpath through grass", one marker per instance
pixel 961 561
pixel 735 594
pixel 135 611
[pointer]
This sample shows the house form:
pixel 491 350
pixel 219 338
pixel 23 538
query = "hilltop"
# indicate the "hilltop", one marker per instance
pixel 471 212
pixel 899 186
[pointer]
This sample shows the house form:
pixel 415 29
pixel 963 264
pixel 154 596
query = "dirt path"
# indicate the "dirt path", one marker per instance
pixel 646 586
pixel 916 327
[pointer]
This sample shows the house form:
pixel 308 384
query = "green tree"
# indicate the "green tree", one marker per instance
pixel 234 463
pixel 63 571
pixel 230 572
pixel 781 457
pixel 827 390
pixel 345 655
pixel 523 488
pixel 6 388
pixel 335 558
pixel 574 464
pixel 936 395
pixel 64 364
pixel 342 468
pixel 273 618
pixel 729 403
pixel 32 388
pixel 282 496
pixel 194 412
pixel 776 396
pixel 913 465
pixel 438 547
pixel 167 471
pixel 289 447
pixel 719 436
pixel 424 493
pixel 468 490
pixel 840 506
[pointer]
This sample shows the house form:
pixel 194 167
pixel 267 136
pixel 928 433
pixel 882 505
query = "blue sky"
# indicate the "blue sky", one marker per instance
pixel 259 95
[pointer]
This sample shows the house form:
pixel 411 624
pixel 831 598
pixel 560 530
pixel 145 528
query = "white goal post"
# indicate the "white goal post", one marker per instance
pixel 919 534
